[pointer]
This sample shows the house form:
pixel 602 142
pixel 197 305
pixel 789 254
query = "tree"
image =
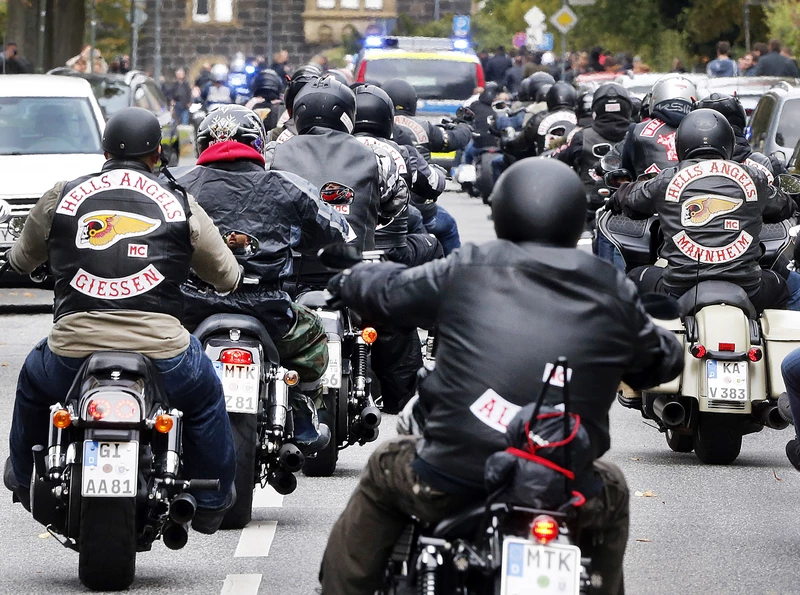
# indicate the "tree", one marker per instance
pixel 783 21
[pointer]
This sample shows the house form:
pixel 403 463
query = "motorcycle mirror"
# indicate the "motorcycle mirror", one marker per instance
pixel 601 149
pixel 789 184
pixel 340 256
pixel 465 114
pixel 241 243
pixel 660 306
pixel 645 177
pixel 499 105
pixel 617 177
pixel 780 155
pixel 610 163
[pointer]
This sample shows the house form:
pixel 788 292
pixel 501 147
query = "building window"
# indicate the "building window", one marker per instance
pixel 350 4
pixel 373 4
pixel 212 11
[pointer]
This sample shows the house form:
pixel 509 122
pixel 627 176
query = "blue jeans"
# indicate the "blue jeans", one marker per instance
pixel 793 282
pixel 498 167
pixel 191 384
pixel 790 370
pixel 608 251
pixel 469 154
pixel 444 227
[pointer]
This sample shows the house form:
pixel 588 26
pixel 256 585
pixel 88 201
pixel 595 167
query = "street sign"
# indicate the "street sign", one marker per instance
pixel 546 44
pixel 520 39
pixel 139 19
pixel 534 17
pixel 564 20
pixel 581 2
pixel 461 25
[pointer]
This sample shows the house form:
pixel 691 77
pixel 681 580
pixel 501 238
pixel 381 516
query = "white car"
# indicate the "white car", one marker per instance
pixel 50 130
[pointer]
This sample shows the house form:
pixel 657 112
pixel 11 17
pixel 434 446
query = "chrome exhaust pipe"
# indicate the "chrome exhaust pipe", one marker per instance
pixel 291 458
pixel 175 535
pixel 769 416
pixel 670 412
pixel 370 417
pixel 283 482
pixel 182 508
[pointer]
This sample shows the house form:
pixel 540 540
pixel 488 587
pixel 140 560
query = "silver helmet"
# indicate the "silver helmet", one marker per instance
pixel 673 89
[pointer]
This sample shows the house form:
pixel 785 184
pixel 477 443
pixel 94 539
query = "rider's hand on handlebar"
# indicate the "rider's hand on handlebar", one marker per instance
pixel 612 206
pixel 335 289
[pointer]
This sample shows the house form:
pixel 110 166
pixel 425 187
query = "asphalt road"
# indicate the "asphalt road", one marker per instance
pixel 706 530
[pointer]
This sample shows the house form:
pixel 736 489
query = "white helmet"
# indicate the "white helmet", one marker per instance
pixel 219 73
pixel 673 88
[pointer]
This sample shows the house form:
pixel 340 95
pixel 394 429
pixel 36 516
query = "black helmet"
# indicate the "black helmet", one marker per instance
pixel 541 93
pixel 584 109
pixel 374 111
pixel 612 98
pixel 231 122
pixel 561 94
pixel 266 84
pixel 403 94
pixel 539 200
pixel 704 132
pixel 297 81
pixel 327 103
pixel 132 132
pixel 729 106
pixel 636 109
pixel 524 91
pixel 538 80
pixel 489 93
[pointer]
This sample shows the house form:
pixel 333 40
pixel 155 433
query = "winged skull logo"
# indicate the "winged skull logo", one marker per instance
pixel 101 230
pixel 701 210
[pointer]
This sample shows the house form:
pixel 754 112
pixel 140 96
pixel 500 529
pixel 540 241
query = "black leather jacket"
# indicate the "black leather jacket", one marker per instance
pixel 495 341
pixel 429 138
pixel 711 212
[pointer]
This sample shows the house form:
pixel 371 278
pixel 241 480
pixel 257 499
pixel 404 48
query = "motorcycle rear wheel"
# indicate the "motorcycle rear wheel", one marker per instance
pixel 680 442
pixel 245 439
pixel 107 543
pixel 717 439
pixel 486 179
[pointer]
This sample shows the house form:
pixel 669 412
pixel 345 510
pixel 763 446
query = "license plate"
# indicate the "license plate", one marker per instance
pixel 240 385
pixel 333 373
pixel 727 381
pixel 467 174
pixel 533 569
pixel 109 469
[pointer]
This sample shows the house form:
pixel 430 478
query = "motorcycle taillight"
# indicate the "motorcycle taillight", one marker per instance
pixel 544 529
pixel 241 357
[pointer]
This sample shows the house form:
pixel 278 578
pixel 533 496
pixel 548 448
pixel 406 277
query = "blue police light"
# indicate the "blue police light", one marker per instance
pixel 461 44
pixel 249 69
pixel 373 41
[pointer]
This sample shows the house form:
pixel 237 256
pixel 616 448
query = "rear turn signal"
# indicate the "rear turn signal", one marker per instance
pixel 698 351
pixel 61 419
pixel 370 335
pixel 755 354
pixel 544 529
pixel 239 357
pixel 291 378
pixel 164 424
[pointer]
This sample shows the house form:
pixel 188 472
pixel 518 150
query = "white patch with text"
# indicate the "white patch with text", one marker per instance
pixel 494 410
pixel 119 288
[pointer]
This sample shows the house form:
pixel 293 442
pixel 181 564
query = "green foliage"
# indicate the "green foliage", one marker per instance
pixel 3 18
pixel 112 35
pixel 783 21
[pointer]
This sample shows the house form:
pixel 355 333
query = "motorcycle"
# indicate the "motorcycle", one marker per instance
pixel 349 391
pixel 495 547
pixel 732 379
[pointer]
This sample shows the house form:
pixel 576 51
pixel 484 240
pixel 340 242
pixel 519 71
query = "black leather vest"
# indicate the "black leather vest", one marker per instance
pixel 119 241
pixel 654 147
pixel 338 165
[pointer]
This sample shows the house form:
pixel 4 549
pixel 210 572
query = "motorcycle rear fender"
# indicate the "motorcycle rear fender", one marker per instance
pixel 781 330
pixel 216 344
pixel 333 321
pixel 723 324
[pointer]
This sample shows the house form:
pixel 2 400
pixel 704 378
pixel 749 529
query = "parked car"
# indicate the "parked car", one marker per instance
pixel 50 130
pixel 134 89
pixel 774 126
pixel 749 89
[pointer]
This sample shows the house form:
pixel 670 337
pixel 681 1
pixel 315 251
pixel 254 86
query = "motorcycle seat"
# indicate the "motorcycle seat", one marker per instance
pixel 463 525
pixel 127 362
pixel 710 293
pixel 314 299
pixel 248 325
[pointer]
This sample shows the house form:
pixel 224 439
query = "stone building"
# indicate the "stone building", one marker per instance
pixel 194 31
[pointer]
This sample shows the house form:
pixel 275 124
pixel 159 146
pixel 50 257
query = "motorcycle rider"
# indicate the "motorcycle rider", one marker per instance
pixel 545 128
pixel 264 215
pixel 285 128
pixel 611 113
pixel 489 365
pixel 266 101
pixel 484 118
pixel 711 210
pixel 347 173
pixel 217 90
pixel 106 300
pixel 428 138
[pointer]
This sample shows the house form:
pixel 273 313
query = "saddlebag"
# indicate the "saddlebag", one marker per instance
pixel 781 331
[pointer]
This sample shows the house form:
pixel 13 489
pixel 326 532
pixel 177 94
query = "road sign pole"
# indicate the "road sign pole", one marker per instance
pixel 564 57
pixel 157 56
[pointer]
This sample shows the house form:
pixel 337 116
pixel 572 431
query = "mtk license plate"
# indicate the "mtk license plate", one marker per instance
pixel 240 385
pixel 727 381
pixel 533 569
pixel 109 469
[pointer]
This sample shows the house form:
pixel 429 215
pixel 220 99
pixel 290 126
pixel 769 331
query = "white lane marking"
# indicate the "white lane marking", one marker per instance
pixel 267 498
pixel 256 539
pixel 585 242
pixel 241 584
